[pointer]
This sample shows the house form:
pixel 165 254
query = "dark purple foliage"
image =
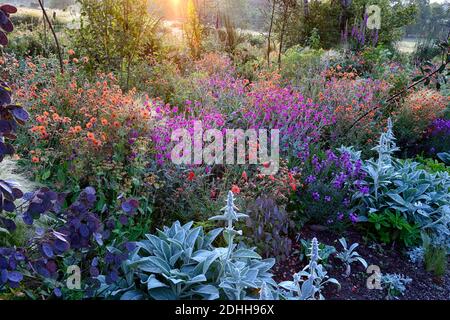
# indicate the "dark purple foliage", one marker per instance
pixel 270 227
pixel 10 260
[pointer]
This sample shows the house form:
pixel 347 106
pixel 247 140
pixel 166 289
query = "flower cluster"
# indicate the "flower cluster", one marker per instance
pixel 299 120
pixel 349 99
pixel 417 113
pixel 437 137
pixel 329 186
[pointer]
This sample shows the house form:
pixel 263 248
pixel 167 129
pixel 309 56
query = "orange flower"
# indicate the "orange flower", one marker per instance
pixel 235 189
pixel 244 176
pixel 96 142
pixel 104 122
pixel 35 160
pixel 56 117
pixel 89 125
pixel 116 124
pixel 71 52
pixel 90 136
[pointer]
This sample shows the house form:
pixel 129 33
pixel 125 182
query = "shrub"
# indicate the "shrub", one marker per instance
pixel 115 39
pixel 418 112
pixel 348 100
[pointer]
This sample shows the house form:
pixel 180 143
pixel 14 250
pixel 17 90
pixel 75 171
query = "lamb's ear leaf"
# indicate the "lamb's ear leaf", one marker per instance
pixel 132 295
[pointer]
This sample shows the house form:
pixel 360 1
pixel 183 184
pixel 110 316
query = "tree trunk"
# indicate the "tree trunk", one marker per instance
pixel 283 28
pixel 306 8
pixel 269 38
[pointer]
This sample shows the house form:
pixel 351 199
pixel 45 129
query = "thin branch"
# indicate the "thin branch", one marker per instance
pixel 388 101
pixel 61 63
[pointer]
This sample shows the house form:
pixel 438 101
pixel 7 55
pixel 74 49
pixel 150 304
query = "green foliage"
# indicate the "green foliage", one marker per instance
pixel 116 34
pixel 435 254
pixel 300 63
pixel 431 165
pixel 393 227
pixel 322 22
pixel 325 251
pixel 26 43
pixel 394 17
pixel 314 39
pixel 193 30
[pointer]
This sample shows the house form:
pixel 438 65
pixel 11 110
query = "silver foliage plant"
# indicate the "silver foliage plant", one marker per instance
pixel 416 255
pixel 422 197
pixel 395 284
pixel 181 262
pixel 349 256
pixel 308 283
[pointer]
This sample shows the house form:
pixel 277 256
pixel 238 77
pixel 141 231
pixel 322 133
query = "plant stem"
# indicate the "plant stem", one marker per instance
pixel 61 64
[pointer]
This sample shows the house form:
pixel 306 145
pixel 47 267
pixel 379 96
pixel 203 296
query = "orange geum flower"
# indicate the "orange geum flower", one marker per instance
pixel 116 124
pixel 90 136
pixel 35 160
pixel 235 189
pixel 89 125
pixel 71 52
pixel 104 122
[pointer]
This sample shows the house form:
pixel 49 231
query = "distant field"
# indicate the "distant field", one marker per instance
pixel 407 45
pixel 67 17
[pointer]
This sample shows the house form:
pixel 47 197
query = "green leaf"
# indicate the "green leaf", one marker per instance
pixel 46 175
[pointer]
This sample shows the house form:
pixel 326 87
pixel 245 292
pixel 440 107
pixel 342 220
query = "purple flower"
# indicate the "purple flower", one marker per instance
pixel 353 217
pixel 364 190
pixel 316 196
pixel 311 179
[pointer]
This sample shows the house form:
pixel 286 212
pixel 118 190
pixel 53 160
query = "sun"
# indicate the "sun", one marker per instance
pixel 175 3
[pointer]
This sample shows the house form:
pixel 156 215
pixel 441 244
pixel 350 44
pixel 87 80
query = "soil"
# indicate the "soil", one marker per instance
pixel 390 259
